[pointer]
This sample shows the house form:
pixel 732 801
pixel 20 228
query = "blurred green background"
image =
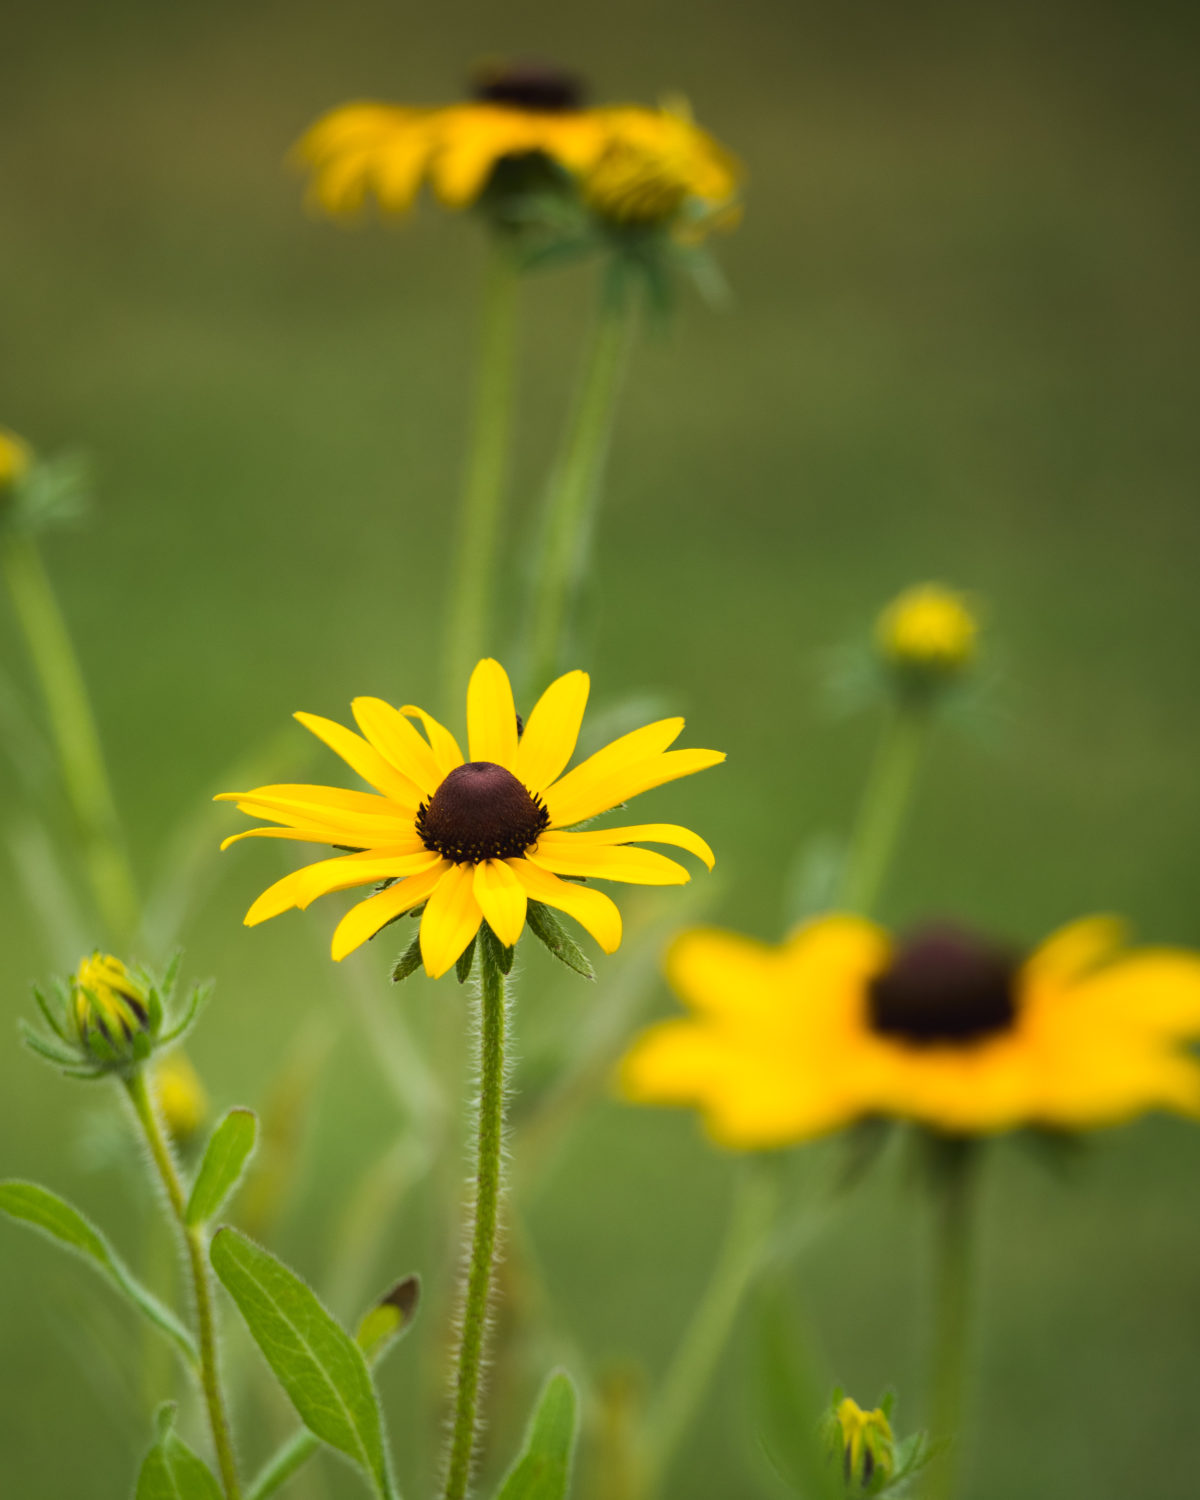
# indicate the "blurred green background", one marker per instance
pixel 963 346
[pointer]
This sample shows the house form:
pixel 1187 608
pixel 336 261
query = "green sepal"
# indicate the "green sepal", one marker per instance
pixel 408 962
pixel 493 950
pixel 466 959
pixel 543 1469
pixel 551 933
pixel 196 1001
pixel 49 1017
pixel 32 1204
pixel 314 1359
pixel 225 1157
pixel 171 1471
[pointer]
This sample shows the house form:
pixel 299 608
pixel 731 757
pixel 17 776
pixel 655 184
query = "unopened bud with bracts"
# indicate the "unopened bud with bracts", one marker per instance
pixel 112 1011
pixel 861 1443
pixel 928 635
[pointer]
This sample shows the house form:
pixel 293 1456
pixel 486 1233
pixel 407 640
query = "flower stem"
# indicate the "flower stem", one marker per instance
pixel 955 1185
pixel 470 597
pixel 575 481
pixel 696 1358
pixel 884 804
pixel 76 738
pixel 194 1242
pixel 488 1187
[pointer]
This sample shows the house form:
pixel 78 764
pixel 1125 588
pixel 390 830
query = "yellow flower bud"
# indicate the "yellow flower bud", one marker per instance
pixel 15 458
pixel 657 162
pixel 181 1096
pixel 868 1449
pixel 928 630
pixel 111 1007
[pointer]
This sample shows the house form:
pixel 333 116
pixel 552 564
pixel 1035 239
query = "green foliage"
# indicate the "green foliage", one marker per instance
pixel 789 1404
pixel 318 1364
pixel 225 1160
pixel 43 1210
pixel 543 1469
pixel 55 492
pixel 466 959
pixel 549 931
pixel 409 961
pixel 171 1471
pixel 493 951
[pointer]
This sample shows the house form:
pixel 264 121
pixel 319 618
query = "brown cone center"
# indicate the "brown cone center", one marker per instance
pixel 481 811
pixel 944 986
pixel 529 85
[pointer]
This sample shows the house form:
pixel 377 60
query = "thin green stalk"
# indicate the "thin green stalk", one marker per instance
pixel 286 1461
pixel 195 1244
pixel 955 1186
pixel 75 735
pixel 470 597
pixel 575 481
pixel 688 1377
pixel 488 1185
pixel 884 804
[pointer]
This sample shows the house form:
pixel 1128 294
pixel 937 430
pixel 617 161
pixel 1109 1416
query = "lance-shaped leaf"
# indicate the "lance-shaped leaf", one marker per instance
pixel 46 1211
pixel 316 1361
pixel 171 1471
pixel 225 1159
pixel 543 1470
pixel 546 927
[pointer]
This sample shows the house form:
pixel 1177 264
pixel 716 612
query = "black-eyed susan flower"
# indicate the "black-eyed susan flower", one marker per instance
pixel 841 1022
pixel 928 630
pixel 478 839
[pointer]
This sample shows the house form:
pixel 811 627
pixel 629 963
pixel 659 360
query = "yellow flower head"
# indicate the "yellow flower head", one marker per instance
pixel 928 629
pixel 109 1000
pixel 657 164
pixel 841 1022
pixel 476 839
pixel 181 1096
pixel 15 458
pixel 864 1440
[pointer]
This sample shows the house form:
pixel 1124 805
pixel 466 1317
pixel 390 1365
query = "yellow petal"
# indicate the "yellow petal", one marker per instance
pixel 304 835
pixel 491 715
pixel 553 728
pixel 450 920
pixel 364 759
pixel 501 898
pixel 591 909
pixel 364 920
pixel 302 887
pixel 640 833
pixel 605 862
pixel 398 742
pixel 332 799
pixel 1070 952
pixel 637 745
pixel 331 824
pixel 445 747
pixel 473 139
pixel 596 796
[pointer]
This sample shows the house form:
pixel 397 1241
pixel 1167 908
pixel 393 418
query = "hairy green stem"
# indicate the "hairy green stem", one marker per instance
pixel 884 804
pixel 196 1246
pixel 488 1185
pixel 955 1187
pixel 575 481
pixel 696 1358
pixel 76 738
pixel 470 599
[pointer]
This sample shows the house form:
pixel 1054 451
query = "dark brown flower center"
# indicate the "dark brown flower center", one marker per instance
pixel 528 85
pixel 481 811
pixel 944 985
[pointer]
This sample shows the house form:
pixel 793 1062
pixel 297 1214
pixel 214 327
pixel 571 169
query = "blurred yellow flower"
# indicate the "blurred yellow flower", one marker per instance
pixel 865 1441
pixel 181 1096
pixel 108 999
pixel 841 1022
pixel 929 629
pixel 657 164
pixel 476 839
pixel 15 458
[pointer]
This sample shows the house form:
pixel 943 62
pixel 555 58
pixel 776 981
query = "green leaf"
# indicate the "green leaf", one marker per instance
pixel 225 1159
pixel 318 1364
pixel 46 1211
pixel 546 927
pixel 171 1471
pixel 408 962
pixel 543 1471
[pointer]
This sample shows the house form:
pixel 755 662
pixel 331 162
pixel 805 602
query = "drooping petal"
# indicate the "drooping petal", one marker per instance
pixel 491 715
pixel 445 747
pixel 553 728
pixel 501 898
pixel 608 862
pixel 364 920
pixel 398 742
pixel 1072 951
pixel 450 920
pixel 302 887
pixel 327 822
pixel 629 749
pixel 639 833
pixel 597 796
pixel 364 759
pixel 592 909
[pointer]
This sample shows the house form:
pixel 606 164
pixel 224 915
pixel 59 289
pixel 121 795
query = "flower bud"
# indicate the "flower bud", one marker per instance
pixel 16 457
pixel 181 1097
pixel 112 1010
pixel 928 633
pixel 864 1440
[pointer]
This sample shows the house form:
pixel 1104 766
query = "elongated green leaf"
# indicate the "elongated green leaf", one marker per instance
pixel 225 1159
pixel 546 927
pixel 171 1471
pixel 318 1364
pixel 46 1211
pixel 543 1470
